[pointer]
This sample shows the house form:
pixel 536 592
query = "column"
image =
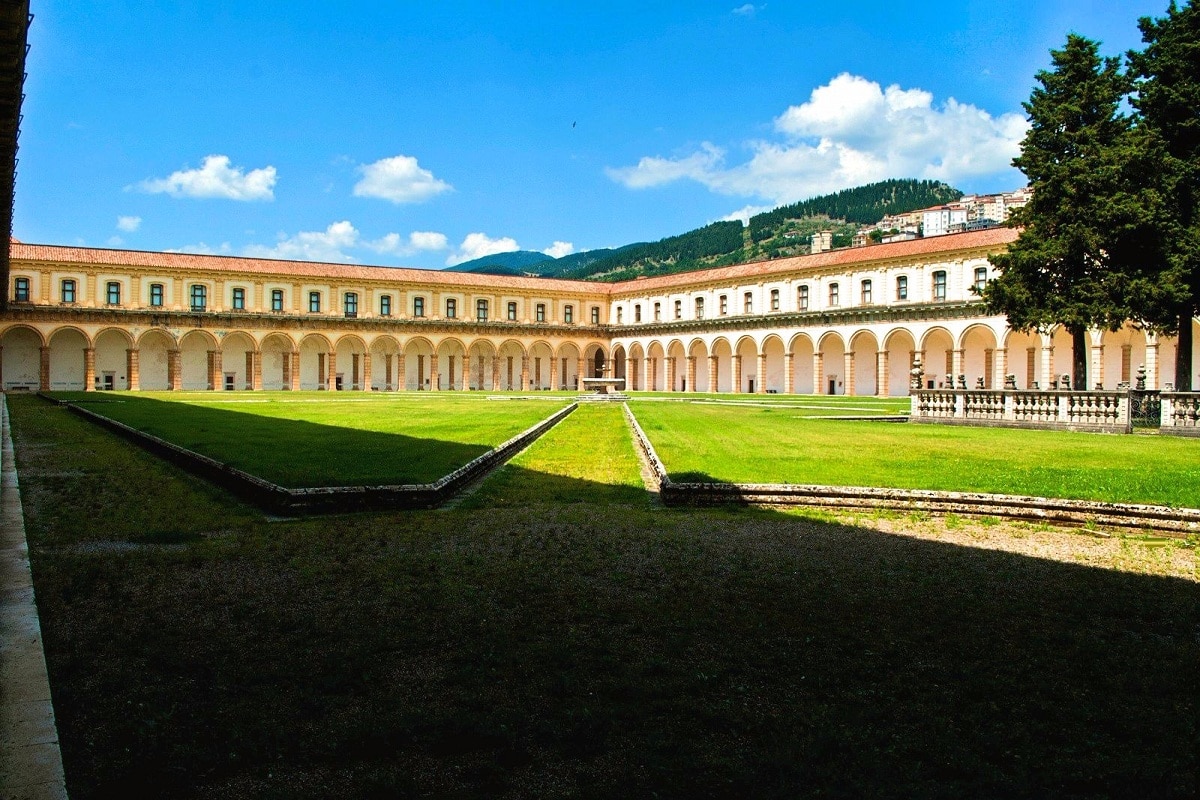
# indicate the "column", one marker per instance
pixel 495 373
pixel 321 372
pixel 435 380
pixel 44 369
pixel 249 369
pixel 789 373
pixel 818 372
pixel 1001 369
pixel 466 372
pixel 387 372
pixel 89 369
pixel 174 370
pixel 524 373
pixel 256 372
pixel 553 374
pixel 648 374
pixel 366 371
pixel 1097 367
pixel 713 364
pixel 1151 363
pixel 956 364
pixel 331 371
pixel 287 370
pixel 450 371
pixel 848 373
pixel 691 374
pixel 580 372
pixel 761 386
pixel 294 357
pixel 131 369
pixel 401 372
pixel 881 374
pixel 737 374
pixel 215 378
pixel 631 372
pixel 354 362
pixel 1047 364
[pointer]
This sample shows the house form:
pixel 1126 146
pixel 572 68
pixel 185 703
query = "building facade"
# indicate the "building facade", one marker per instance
pixel 846 321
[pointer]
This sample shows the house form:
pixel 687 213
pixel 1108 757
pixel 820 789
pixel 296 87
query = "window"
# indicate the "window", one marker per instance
pixel 481 310
pixel 980 278
pixel 314 302
pixel 802 298
pixel 569 315
pixel 199 297
pixel 418 306
pixel 540 312
pixel 678 309
pixel 112 293
pixel 350 304
pixel 512 312
pixel 939 285
pixel 239 299
pixel 620 315
pixel 156 295
pixel 866 293
pixel 277 299
pixel 834 294
pixel 902 287
pixel 595 315
pixel 658 312
pixel 724 305
pixel 67 291
pixel 637 313
pixel 451 308
pixel 774 299
pixel 748 303
pixel 385 305
pixel 699 308
pixel 21 290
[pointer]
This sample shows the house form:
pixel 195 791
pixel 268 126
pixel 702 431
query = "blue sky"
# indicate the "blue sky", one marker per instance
pixel 423 134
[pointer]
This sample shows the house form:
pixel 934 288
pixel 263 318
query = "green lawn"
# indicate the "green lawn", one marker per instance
pixel 315 439
pixel 807 405
pixel 782 445
pixel 591 650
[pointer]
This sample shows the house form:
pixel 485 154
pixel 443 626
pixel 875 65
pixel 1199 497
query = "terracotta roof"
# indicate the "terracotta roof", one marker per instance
pixel 991 238
pixel 267 266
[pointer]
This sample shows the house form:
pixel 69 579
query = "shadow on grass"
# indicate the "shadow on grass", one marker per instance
pixel 599 650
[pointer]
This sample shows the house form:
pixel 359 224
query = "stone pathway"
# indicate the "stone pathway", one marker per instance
pixel 30 761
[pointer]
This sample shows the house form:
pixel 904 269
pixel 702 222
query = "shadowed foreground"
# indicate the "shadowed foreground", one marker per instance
pixel 571 650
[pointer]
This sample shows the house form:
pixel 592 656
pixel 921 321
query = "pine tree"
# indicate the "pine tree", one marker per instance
pixel 1062 269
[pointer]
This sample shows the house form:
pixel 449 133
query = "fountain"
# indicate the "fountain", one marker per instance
pixel 603 388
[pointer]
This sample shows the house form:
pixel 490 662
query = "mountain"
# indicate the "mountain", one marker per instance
pixel 517 262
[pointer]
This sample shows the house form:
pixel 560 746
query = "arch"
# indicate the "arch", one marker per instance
pixel 978 346
pixel 511 355
pixel 594 357
pixel 937 356
pixel 1023 357
pixel 481 354
pixel 831 354
pixel 863 371
pixel 775 375
pixel 900 347
pixel 195 359
pixel 21 357
pixel 163 332
pixel 238 350
pixel 384 352
pixel 804 359
pixel 418 357
pixel 1121 353
pixel 635 379
pixel 676 372
pixel 112 359
pixel 67 359
pixel 746 379
pixel 617 367
pixel 314 349
pixel 697 353
pixel 721 360
pixel 349 363
pixel 277 353
pixel 654 369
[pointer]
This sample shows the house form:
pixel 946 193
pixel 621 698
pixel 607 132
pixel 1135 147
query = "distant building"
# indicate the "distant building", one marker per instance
pixel 822 241
pixel 941 220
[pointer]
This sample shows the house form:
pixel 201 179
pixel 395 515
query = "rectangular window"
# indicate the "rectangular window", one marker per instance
pixel 980 278
pixel 21 290
pixel 902 287
pixel 866 293
pixel 834 294
pixel 314 302
pixel 512 312
pixel 637 313
pixel 595 315
pixel 277 299
pixel 569 315
pixel 418 306
pixel 724 305
pixel 350 304
pixel 540 312
pixel 620 315
pixel 774 299
pixel 802 298
pixel 199 297
pixel 67 291
pixel 939 285
pixel 156 295
pixel 678 309
pixel 747 303
pixel 112 293
pixel 385 305
pixel 239 299
pixel 451 308
pixel 481 310
pixel 699 308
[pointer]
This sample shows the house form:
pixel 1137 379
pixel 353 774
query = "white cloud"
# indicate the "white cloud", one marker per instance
pixel 850 131
pixel 128 224
pixel 398 179
pixel 327 245
pixel 746 10
pixel 478 245
pixel 744 214
pixel 215 178
pixel 559 249
pixel 395 244
pixel 115 241
pixel 201 248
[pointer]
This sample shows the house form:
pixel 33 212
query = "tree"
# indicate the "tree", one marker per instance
pixel 1167 94
pixel 1062 269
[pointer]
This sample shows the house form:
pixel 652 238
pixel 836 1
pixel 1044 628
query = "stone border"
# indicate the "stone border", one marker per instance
pixel 1178 521
pixel 30 758
pixel 322 499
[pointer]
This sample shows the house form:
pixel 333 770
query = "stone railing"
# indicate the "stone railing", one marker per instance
pixel 1106 411
pixel 1181 413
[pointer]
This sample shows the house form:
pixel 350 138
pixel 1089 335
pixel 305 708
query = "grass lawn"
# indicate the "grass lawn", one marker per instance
pixel 807 405
pixel 594 650
pixel 781 445
pixel 313 439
